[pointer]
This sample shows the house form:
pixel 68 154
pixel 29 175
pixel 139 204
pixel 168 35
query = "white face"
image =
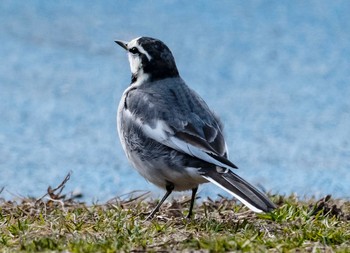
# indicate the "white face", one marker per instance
pixel 135 59
pixel 135 63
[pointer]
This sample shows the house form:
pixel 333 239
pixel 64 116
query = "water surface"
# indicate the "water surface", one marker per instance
pixel 277 73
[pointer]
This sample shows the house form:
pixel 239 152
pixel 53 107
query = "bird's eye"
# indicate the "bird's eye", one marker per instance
pixel 134 50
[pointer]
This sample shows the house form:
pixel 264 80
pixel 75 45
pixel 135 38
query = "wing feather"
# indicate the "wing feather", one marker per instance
pixel 195 130
pixel 195 147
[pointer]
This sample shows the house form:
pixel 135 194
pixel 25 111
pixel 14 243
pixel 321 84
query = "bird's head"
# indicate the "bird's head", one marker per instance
pixel 149 59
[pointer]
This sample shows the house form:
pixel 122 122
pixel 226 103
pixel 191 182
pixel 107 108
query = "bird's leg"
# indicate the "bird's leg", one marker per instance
pixel 169 188
pixel 194 191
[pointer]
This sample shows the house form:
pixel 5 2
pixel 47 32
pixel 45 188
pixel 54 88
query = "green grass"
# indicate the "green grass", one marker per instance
pixel 59 223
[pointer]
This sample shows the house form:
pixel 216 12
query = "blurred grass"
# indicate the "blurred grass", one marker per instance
pixel 60 223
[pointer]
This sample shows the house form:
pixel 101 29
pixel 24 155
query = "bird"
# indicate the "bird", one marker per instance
pixel 170 135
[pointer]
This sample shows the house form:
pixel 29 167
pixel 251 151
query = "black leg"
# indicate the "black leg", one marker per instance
pixel 194 191
pixel 169 189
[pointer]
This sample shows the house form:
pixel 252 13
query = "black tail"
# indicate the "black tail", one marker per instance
pixel 239 188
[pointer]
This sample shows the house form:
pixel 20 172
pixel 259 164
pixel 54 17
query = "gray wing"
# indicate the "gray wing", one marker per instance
pixel 172 114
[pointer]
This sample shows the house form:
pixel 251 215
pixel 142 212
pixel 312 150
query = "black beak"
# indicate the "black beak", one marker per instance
pixel 122 44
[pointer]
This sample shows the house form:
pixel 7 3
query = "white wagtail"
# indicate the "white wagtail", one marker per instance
pixel 168 132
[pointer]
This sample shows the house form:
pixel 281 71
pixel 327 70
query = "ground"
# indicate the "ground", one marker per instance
pixel 57 222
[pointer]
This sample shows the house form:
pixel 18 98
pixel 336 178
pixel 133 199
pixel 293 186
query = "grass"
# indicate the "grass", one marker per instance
pixel 59 223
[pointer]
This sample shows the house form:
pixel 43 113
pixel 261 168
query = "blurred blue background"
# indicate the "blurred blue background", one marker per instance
pixel 276 72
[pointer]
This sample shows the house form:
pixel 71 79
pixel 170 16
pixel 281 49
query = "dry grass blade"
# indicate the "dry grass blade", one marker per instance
pixel 51 192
